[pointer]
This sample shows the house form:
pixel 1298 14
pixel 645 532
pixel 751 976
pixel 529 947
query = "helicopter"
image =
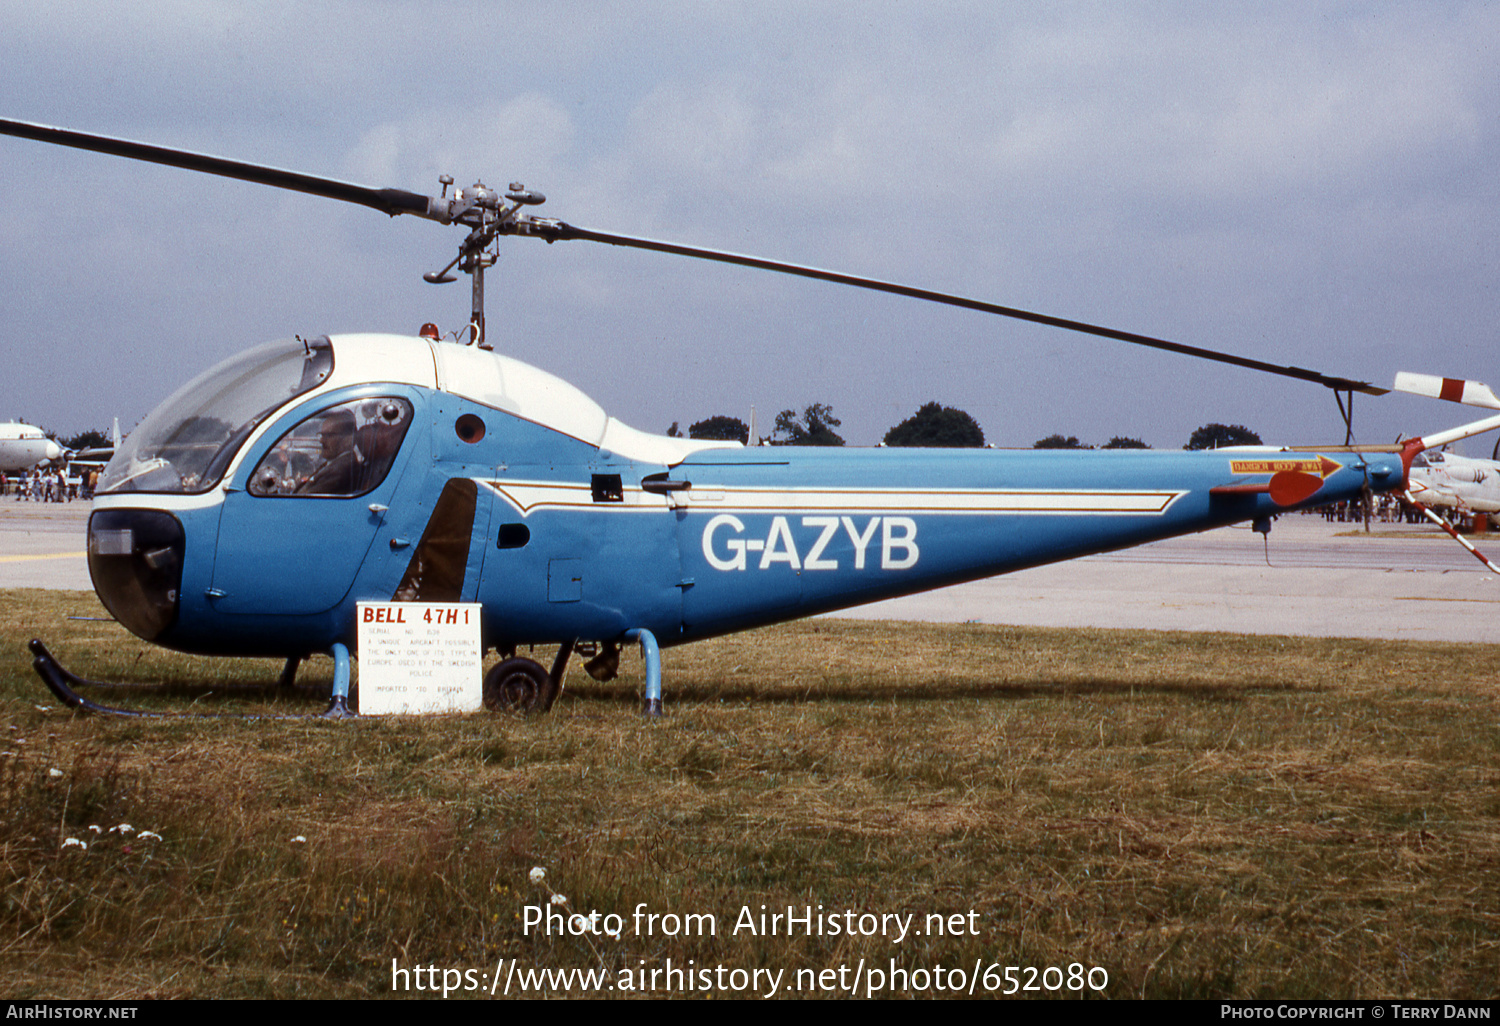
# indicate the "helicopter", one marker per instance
pixel 252 511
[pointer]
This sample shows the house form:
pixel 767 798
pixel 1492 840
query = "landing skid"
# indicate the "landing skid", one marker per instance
pixel 61 682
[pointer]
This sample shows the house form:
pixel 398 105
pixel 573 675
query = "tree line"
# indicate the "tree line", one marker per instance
pixel 933 426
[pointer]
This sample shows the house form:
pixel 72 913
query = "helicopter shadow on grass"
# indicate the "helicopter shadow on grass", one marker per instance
pixel 232 698
pixel 923 692
pixel 257 683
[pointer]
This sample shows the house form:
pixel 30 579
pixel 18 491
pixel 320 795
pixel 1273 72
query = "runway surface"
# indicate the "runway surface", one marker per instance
pixel 42 545
pixel 1324 580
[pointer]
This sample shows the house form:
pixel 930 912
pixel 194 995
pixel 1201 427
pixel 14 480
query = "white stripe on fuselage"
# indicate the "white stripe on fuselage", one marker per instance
pixel 528 496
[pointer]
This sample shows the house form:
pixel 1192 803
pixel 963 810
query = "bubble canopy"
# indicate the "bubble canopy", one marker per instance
pixel 189 442
pixel 186 444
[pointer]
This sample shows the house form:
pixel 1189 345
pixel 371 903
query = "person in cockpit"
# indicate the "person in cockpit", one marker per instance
pixel 341 468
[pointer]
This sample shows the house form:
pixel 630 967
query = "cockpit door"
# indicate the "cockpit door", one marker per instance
pixel 295 529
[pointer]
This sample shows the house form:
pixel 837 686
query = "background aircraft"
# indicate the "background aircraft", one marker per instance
pixel 1449 481
pixel 95 457
pixel 23 447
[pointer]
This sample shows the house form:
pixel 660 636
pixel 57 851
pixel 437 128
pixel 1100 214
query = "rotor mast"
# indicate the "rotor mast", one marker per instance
pixel 485 214
pixel 474 264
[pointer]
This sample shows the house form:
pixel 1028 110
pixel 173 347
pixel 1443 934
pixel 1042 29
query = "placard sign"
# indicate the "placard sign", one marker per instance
pixel 419 657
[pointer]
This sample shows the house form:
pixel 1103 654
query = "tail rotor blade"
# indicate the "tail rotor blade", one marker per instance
pixel 1455 390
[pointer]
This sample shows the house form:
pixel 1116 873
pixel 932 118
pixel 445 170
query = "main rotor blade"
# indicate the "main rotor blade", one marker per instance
pixel 389 201
pixel 399 201
pixel 564 231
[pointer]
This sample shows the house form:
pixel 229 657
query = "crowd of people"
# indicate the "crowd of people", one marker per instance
pixel 49 485
pixel 1384 509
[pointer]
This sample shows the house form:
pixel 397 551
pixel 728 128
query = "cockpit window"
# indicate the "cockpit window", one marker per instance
pixel 342 451
pixel 187 443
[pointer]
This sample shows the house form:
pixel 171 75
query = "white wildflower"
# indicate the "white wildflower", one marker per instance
pixel 578 923
pixel 613 933
pixel 538 874
pixel 54 773
pixel 74 842
pixel 299 839
pixel 557 899
pixel 124 829
pixel 94 828
pixel 150 835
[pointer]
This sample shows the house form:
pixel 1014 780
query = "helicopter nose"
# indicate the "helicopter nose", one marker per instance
pixel 135 560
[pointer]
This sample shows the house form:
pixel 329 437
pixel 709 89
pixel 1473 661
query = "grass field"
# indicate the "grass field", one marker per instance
pixel 1196 815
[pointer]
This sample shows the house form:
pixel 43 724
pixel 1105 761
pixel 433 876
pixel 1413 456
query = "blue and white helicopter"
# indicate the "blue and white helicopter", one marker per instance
pixel 258 504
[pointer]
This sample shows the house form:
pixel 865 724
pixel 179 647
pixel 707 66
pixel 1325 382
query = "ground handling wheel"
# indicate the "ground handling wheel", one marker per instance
pixel 519 685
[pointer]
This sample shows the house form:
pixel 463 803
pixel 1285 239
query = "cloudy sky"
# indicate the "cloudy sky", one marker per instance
pixel 1305 183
